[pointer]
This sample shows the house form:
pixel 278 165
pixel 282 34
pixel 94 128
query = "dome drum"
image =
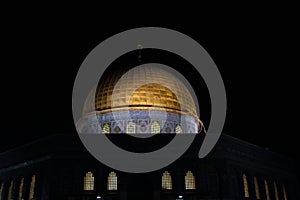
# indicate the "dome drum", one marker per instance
pixel 140 121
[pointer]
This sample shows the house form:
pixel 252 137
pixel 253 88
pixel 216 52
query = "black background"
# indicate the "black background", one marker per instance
pixel 256 54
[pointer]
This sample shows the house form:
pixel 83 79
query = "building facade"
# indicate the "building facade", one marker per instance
pixel 59 167
pixel 147 99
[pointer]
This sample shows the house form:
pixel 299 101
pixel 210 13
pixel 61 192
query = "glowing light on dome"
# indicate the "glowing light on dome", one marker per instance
pixel 150 98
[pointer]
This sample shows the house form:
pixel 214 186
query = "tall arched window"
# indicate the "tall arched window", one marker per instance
pixel 112 181
pixel 284 192
pixel 276 191
pixel 178 129
pixel 105 128
pixel 32 187
pixel 130 129
pixel 166 181
pixel 155 127
pixel 1 189
pixel 20 195
pixel 190 181
pixel 88 181
pixel 246 189
pixel 257 194
pixel 267 190
pixel 10 189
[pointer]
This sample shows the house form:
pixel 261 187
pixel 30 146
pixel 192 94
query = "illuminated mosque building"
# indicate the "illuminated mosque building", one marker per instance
pixel 146 99
pixel 157 101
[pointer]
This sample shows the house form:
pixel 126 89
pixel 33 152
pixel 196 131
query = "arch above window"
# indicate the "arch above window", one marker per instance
pixel 106 128
pixel 20 195
pixel 131 128
pixel 256 187
pixel 267 190
pixel 246 188
pixel 155 127
pixel 190 181
pixel 10 189
pixel 32 187
pixel 1 190
pixel 284 192
pixel 112 181
pixel 276 191
pixel 166 181
pixel 178 129
pixel 88 181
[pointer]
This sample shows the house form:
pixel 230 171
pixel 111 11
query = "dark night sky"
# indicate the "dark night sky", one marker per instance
pixel 256 58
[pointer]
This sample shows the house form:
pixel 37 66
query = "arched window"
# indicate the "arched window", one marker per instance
pixel 257 194
pixel 246 189
pixel 105 128
pixel 10 189
pixel 166 181
pixel 112 181
pixel 88 181
pixel 178 129
pixel 284 192
pixel 32 187
pixel 130 129
pixel 276 191
pixel 267 190
pixel 190 181
pixel 1 189
pixel 155 127
pixel 20 195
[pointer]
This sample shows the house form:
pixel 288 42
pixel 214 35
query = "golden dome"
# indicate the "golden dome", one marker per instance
pixel 155 96
pixel 143 87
